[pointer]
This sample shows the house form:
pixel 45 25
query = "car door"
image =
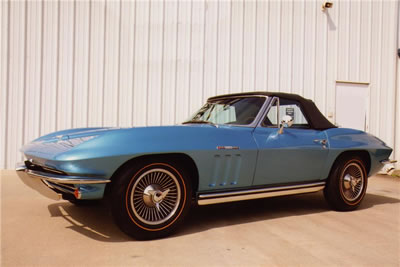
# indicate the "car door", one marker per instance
pixel 296 155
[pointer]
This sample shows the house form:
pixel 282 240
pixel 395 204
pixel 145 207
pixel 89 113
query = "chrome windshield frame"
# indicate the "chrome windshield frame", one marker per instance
pixel 266 110
pixel 259 114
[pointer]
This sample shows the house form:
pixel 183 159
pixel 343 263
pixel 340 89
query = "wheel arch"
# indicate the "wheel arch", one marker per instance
pixel 363 154
pixel 184 160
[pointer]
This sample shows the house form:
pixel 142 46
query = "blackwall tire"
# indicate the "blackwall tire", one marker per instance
pixel 150 199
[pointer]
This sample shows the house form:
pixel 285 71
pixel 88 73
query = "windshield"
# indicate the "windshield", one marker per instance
pixel 235 111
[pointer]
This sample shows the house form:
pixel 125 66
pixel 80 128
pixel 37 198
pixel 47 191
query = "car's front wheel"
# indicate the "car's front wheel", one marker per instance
pixel 150 199
pixel 347 183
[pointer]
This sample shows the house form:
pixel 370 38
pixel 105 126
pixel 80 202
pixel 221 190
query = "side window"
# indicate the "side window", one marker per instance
pixel 286 107
pixel 294 111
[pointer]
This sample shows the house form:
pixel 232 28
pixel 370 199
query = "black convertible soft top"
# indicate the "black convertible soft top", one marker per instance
pixel 316 119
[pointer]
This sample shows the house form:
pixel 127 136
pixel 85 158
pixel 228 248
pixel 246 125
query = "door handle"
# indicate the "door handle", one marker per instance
pixel 320 141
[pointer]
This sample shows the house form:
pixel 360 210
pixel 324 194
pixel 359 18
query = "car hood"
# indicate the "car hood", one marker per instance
pixel 51 145
pixel 86 143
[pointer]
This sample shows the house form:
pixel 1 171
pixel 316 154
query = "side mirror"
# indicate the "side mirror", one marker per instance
pixel 287 121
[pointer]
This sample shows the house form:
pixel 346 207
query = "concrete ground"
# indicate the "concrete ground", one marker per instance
pixel 293 230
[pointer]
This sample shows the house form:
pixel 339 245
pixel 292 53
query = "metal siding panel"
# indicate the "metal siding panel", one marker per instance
pixel 237 24
pixel 197 56
pixel 96 64
pixel 99 63
pixel 33 71
pixel 286 46
pixel 309 53
pixel 141 63
pixel 210 56
pixel 81 64
pixel 249 45
pixel 376 32
pixel 126 60
pixel 274 44
pixel 297 65
pixel 15 82
pixel 224 47
pixel 4 61
pixel 49 67
pixel 155 63
pixel 111 63
pixel 354 41
pixel 343 42
pixel 183 61
pixel 332 17
pixel 169 60
pixel 389 43
pixel 65 65
pixel 384 83
pixel 261 53
pixel 365 41
pixel 321 61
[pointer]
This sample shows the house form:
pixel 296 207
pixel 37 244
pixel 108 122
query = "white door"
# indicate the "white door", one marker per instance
pixel 351 105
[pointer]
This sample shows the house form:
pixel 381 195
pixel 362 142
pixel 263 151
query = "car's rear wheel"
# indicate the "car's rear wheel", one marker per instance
pixel 347 183
pixel 150 199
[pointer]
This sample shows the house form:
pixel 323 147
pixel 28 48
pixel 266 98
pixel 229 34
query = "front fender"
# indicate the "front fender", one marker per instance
pixel 343 139
pixel 103 155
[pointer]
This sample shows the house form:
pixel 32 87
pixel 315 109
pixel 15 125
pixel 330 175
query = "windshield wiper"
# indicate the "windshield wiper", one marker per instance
pixel 200 122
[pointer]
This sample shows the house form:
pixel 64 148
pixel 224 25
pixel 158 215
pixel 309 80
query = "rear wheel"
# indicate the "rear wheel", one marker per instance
pixel 346 184
pixel 150 199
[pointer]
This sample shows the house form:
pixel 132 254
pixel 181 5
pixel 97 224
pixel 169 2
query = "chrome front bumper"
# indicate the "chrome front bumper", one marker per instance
pixel 53 185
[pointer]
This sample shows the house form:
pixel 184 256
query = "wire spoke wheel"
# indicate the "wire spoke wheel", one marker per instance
pixel 155 196
pixel 352 182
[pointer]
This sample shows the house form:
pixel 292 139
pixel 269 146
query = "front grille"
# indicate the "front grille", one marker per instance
pixel 60 188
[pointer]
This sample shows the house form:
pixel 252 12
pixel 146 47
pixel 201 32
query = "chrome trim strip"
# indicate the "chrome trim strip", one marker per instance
pixel 214 198
pixel 66 179
pixel 227 147
pixel 266 110
pixel 388 161
pixel 64 189
pixel 260 190
pixel 52 170
pixel 261 112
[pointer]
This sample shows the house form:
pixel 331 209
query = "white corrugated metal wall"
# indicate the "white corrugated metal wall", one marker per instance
pixel 119 63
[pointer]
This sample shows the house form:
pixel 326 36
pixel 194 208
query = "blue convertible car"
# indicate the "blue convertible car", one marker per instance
pixel 236 147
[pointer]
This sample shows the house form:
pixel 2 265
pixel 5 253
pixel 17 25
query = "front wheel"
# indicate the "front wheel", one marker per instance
pixel 347 184
pixel 150 199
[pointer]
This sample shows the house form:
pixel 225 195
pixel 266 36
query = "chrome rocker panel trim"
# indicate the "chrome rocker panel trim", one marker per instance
pixel 214 198
pixel 44 182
